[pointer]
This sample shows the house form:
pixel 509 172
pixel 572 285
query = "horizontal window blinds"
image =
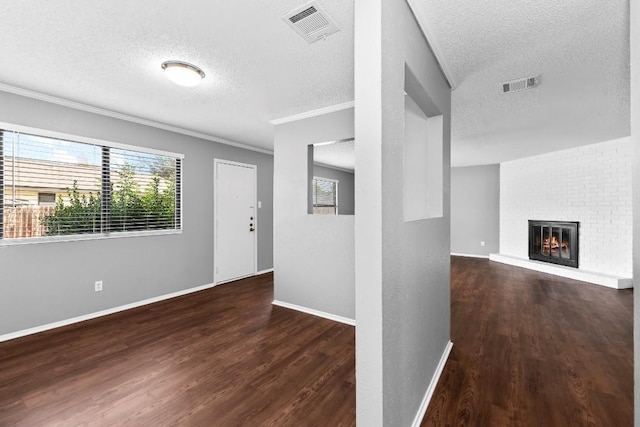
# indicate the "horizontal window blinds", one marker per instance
pixel 142 191
pixel 325 196
pixel 56 187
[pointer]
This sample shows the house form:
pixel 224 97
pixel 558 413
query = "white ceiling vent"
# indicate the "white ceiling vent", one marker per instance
pixel 311 22
pixel 520 84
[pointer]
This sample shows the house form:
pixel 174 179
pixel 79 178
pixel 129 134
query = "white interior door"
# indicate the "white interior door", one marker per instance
pixel 235 220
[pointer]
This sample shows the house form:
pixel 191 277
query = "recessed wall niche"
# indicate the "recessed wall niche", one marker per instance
pixel 330 172
pixel 422 152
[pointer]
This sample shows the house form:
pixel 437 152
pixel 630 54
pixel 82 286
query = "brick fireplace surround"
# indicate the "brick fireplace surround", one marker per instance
pixel 590 184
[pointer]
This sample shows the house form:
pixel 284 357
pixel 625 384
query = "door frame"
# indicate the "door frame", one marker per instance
pixel 216 162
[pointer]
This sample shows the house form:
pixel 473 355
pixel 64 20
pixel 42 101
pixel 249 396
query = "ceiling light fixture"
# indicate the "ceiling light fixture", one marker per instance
pixel 183 73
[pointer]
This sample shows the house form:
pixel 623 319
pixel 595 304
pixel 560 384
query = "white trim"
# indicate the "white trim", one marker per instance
pixel 126 117
pixel 603 279
pixel 338 168
pixel 97 314
pixel 335 141
pixel 313 113
pixel 82 237
pixel 216 162
pixel 313 312
pixel 421 13
pixel 85 140
pixel 321 178
pixel 422 410
pixel 470 255
pixel 268 270
pixel 224 282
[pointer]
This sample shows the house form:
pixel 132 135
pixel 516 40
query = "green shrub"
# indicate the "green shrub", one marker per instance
pixel 130 209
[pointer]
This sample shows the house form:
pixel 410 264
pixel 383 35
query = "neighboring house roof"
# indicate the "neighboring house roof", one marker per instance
pixel 30 173
pixel 60 176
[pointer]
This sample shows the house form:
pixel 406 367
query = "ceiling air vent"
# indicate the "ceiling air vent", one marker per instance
pixel 520 84
pixel 311 22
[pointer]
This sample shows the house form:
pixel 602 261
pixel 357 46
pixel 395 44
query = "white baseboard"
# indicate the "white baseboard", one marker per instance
pixel 268 270
pixel 97 314
pixel 318 313
pixel 470 255
pixel 432 386
pixel 66 322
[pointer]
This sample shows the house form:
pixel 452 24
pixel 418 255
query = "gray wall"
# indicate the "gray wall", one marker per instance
pixel 346 205
pixel 475 210
pixel 402 268
pixel 49 282
pixel 313 254
pixel 635 141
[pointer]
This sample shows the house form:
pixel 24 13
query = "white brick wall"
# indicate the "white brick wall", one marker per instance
pixel 590 184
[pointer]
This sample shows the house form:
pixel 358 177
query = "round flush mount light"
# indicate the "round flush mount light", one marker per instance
pixel 183 73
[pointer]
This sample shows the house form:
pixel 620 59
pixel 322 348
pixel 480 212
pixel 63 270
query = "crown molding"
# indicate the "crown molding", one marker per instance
pixel 313 113
pixel 126 117
pixel 338 168
pixel 422 16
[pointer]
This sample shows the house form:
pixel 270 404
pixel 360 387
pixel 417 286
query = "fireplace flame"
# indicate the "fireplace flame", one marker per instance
pixel 555 244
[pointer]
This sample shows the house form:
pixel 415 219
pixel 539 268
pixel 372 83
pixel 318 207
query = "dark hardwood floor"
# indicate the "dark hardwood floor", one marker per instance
pixel 530 350
pixel 220 357
pixel 534 350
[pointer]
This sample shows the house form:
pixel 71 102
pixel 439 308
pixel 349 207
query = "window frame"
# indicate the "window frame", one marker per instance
pixel 40 196
pixel 10 127
pixel 337 185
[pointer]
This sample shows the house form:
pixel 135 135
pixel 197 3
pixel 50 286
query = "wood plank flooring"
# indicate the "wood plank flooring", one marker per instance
pixel 220 357
pixel 534 350
pixel 530 350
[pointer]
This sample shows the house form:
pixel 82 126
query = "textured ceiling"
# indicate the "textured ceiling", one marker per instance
pixel 340 154
pixel 579 47
pixel 108 55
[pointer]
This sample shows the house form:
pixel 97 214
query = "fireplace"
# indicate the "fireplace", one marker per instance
pixel 554 241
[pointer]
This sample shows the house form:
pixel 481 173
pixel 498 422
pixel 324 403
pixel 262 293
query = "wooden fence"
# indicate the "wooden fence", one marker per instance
pixel 25 221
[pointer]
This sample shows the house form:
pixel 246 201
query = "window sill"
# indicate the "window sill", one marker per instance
pixel 84 237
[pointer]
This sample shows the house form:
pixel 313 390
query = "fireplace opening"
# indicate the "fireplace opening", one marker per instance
pixel 554 241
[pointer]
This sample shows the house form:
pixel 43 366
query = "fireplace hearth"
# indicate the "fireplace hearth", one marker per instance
pixel 554 241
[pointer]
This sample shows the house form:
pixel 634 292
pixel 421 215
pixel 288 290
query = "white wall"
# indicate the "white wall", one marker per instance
pixel 402 268
pixel 589 184
pixel 313 254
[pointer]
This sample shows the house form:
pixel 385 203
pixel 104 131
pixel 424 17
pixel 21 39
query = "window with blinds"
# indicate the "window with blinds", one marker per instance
pixel 53 187
pixel 325 196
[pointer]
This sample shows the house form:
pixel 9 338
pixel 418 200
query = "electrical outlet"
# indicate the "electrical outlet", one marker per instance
pixel 99 286
pixel 482 243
